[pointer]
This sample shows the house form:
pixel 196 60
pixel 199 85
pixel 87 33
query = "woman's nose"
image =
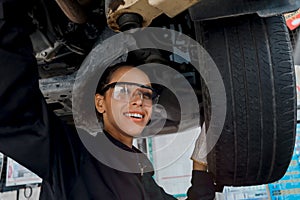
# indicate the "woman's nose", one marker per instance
pixel 137 98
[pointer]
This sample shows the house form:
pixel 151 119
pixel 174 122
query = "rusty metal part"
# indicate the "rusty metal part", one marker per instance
pixel 147 9
pixel 172 7
pixel 114 4
pixel 140 7
pixel 73 10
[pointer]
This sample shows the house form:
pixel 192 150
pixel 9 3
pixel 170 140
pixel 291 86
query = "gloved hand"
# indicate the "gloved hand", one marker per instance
pixel 199 154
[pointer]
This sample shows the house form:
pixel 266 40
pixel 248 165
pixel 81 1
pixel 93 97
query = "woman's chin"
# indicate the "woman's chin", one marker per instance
pixel 134 131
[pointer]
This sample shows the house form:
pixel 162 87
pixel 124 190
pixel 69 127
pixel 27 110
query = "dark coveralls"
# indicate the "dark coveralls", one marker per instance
pixel 37 139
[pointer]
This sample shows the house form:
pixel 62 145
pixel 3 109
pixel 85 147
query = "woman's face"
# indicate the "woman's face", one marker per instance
pixel 125 117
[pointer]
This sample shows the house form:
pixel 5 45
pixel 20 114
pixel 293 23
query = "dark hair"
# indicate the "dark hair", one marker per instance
pixel 134 58
pixel 105 79
pixel 107 74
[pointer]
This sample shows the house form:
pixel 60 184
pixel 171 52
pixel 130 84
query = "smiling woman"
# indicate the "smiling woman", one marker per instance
pixel 125 102
pixel 57 153
pixel 58 156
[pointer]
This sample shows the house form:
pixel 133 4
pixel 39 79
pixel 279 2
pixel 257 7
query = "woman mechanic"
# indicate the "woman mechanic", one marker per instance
pixel 37 139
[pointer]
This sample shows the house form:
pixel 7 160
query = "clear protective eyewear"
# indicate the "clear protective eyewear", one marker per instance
pixel 126 91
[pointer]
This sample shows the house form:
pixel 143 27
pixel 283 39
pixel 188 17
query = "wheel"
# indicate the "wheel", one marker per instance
pixel 254 57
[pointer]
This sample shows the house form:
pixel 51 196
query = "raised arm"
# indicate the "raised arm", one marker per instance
pixel 202 182
pixel 25 123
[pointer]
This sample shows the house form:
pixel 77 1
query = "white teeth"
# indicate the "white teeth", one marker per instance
pixel 136 115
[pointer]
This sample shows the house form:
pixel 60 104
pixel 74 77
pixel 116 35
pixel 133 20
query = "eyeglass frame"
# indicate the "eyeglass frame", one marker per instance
pixel 154 98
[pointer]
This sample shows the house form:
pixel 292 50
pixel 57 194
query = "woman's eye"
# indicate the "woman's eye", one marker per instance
pixel 147 95
pixel 124 90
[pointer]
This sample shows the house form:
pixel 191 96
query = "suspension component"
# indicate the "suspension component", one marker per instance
pixel 146 9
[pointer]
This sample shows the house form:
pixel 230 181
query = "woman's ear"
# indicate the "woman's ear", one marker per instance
pixel 99 103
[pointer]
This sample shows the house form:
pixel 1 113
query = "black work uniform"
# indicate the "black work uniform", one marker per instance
pixel 37 139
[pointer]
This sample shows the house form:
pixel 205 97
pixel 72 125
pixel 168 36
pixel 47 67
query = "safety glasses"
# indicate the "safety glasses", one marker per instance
pixel 127 91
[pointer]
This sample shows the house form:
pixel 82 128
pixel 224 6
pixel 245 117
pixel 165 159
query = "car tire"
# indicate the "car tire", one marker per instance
pixel 254 57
